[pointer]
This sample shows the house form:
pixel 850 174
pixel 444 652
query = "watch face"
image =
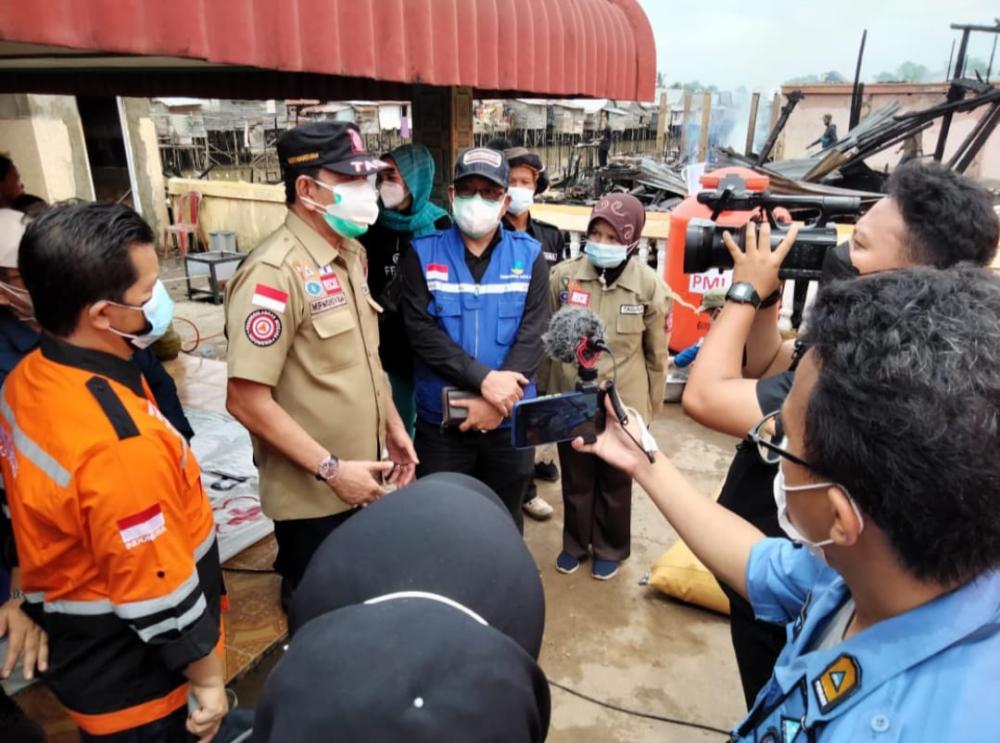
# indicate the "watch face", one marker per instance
pixel 741 292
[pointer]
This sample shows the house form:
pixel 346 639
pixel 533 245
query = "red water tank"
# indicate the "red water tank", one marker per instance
pixel 687 326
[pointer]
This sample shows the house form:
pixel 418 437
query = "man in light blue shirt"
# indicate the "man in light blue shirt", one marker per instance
pixel 889 452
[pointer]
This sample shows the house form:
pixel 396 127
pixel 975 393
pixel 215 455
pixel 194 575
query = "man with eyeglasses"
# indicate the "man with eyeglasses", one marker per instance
pixel 889 590
pixel 930 217
pixel 475 305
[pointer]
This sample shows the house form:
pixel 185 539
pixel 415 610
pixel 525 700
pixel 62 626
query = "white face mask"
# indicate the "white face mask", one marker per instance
pixel 475 216
pixel 393 194
pixel 20 303
pixel 521 199
pixel 354 207
pixel 781 501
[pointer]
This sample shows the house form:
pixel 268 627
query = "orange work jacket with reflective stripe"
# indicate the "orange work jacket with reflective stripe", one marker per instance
pixel 118 556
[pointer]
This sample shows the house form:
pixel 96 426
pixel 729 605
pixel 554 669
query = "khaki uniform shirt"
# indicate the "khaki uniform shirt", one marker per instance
pixel 300 319
pixel 634 311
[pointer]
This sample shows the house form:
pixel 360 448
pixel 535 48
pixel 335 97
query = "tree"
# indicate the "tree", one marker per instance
pixel 974 65
pixel 911 72
pixel 659 80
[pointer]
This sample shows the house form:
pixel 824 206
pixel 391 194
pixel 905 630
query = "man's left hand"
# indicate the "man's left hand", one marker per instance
pixel 23 636
pixel 482 416
pixel 757 264
pixel 403 455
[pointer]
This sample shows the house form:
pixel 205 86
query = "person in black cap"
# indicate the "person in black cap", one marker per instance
pixel 447 534
pixel 304 370
pixel 528 179
pixel 406 668
pixel 475 306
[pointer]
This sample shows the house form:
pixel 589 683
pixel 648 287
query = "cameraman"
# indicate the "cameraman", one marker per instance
pixel 887 481
pixel 931 217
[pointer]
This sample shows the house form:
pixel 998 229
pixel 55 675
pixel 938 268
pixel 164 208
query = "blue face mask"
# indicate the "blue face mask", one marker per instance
pixel 159 313
pixel 606 255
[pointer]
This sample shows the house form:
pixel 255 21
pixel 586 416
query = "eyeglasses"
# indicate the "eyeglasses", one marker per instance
pixel 489 193
pixel 771 442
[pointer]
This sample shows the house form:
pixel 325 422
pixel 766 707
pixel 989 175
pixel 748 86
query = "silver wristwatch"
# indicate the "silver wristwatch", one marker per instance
pixel 328 468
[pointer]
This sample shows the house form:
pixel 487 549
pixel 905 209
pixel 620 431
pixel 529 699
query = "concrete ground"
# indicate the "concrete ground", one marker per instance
pixel 618 641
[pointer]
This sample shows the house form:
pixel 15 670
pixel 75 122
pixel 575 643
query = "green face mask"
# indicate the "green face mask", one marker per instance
pixel 344 227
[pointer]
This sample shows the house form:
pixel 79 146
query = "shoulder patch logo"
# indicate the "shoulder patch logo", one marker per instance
pixel 263 328
pixel 838 681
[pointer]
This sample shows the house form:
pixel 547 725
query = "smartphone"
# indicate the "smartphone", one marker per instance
pixel 555 418
pixel 452 416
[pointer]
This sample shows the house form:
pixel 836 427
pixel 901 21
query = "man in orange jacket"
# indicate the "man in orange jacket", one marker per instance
pixel 119 562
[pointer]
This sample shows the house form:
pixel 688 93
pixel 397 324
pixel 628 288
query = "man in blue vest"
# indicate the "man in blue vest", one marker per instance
pixel 475 305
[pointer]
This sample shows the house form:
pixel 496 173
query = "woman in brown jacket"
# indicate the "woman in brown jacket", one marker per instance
pixel 633 303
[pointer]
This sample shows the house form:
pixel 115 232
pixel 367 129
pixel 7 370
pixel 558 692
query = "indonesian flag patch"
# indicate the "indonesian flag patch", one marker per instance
pixel 270 298
pixel 437 272
pixel 142 527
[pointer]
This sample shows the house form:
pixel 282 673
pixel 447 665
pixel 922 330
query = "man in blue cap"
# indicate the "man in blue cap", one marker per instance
pixel 475 306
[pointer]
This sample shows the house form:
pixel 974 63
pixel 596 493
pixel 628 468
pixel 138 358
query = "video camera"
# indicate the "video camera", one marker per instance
pixel 704 249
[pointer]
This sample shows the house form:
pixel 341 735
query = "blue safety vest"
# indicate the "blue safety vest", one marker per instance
pixel 482 318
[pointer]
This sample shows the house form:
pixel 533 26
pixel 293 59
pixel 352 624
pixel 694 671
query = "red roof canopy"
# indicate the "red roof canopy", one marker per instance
pixel 557 48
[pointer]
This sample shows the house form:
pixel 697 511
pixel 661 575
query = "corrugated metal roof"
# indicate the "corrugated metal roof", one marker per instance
pixel 565 48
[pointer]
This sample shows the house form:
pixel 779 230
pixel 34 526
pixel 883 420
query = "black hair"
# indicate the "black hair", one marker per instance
pixel 949 218
pixel 499 144
pixel 291 175
pixel 904 413
pixel 29 204
pixel 5 165
pixel 76 254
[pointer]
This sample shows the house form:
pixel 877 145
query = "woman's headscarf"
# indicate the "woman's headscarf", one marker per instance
pixel 624 212
pixel 416 166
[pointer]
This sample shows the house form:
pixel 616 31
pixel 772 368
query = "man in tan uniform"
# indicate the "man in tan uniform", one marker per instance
pixel 304 370
pixel 633 303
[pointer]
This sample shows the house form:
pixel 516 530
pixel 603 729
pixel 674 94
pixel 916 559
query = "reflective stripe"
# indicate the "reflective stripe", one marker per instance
pixel 202 549
pixel 34 598
pixel 130 610
pixel 146 607
pixel 520 287
pixel 6 511
pixel 177 623
pixel 32 451
pixel 79 608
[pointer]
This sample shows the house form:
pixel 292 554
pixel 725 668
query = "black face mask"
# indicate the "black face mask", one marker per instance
pixel 837 264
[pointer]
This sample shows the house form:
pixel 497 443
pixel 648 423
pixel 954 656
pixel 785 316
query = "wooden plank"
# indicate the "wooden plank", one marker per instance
pixel 706 120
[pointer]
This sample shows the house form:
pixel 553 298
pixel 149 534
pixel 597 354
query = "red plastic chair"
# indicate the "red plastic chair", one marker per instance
pixel 187 226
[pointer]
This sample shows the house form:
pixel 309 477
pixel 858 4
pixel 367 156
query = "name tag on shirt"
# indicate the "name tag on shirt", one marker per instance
pixel 579 298
pixel 632 309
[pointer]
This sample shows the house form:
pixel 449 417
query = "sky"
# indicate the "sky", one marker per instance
pixel 762 43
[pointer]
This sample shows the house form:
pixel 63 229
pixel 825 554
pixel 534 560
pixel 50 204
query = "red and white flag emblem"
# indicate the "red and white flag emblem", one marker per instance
pixel 142 527
pixel 270 298
pixel 437 272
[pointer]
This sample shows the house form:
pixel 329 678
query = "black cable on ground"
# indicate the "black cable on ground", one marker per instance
pixel 635 713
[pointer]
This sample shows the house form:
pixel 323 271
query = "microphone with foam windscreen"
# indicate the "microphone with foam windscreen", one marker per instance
pixel 575 336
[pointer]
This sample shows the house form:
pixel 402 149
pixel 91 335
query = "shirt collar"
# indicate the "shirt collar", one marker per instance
pixel 888 648
pixel 120 370
pixel 321 251
pixel 629 279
